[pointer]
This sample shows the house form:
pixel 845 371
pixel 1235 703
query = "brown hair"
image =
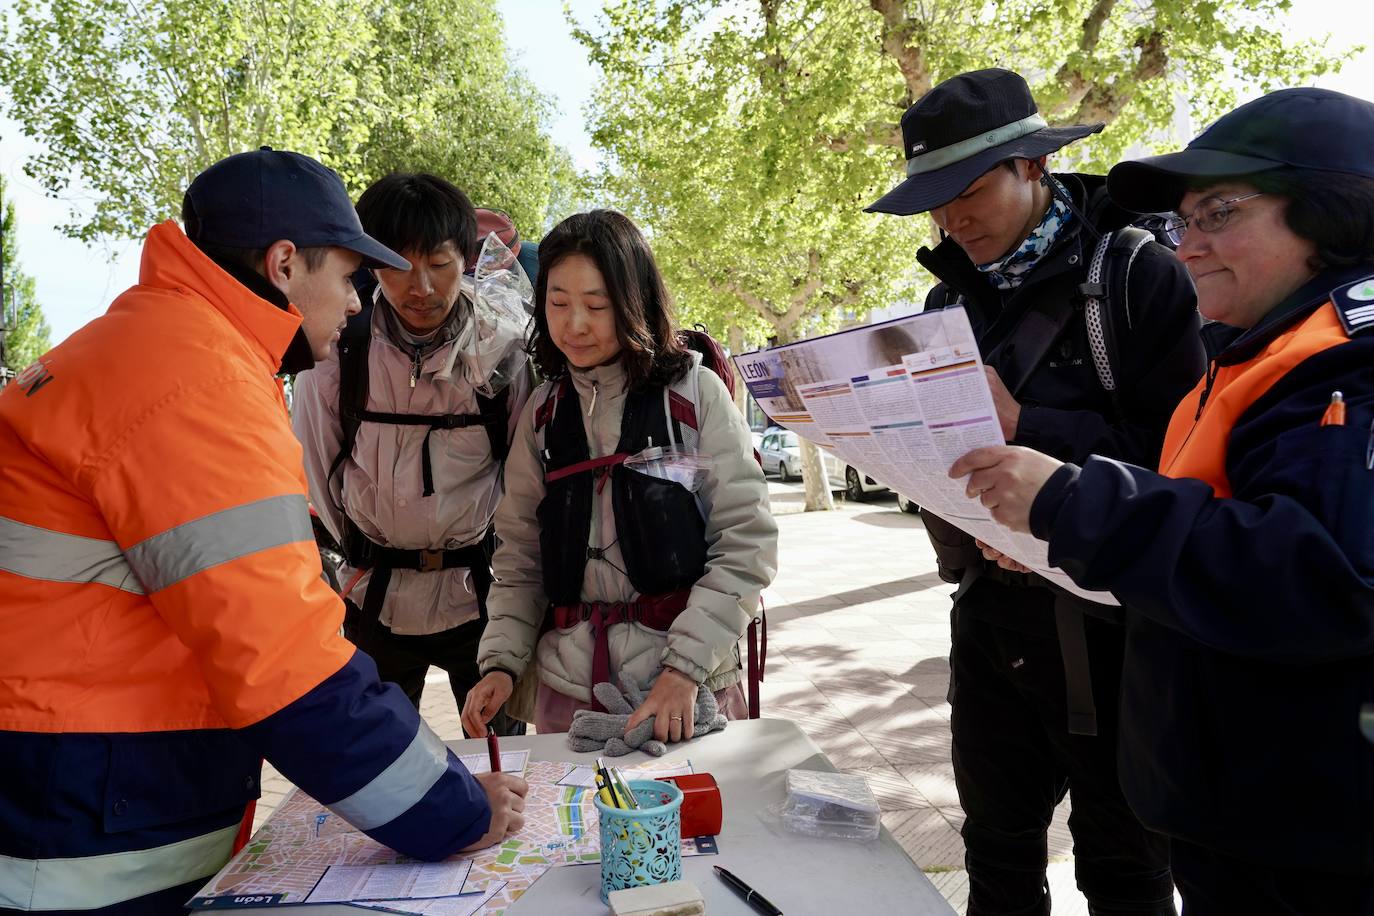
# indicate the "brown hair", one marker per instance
pixel 1332 210
pixel 649 346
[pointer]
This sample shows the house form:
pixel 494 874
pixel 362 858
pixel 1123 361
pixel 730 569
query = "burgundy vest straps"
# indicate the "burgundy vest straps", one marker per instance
pixel 657 612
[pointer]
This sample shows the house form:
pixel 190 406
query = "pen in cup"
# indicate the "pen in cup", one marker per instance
pixel 624 786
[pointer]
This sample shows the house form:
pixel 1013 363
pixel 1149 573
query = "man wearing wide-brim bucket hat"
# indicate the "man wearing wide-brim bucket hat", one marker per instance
pixel 1034 672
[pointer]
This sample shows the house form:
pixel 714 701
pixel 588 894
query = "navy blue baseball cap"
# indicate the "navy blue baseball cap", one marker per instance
pixel 1316 129
pixel 250 200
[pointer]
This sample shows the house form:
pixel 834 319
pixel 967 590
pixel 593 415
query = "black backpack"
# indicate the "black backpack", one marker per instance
pixel 1104 296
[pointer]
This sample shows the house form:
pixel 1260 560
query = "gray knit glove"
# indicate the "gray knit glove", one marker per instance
pixel 605 731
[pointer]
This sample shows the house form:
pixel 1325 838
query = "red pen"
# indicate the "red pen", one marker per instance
pixel 493 750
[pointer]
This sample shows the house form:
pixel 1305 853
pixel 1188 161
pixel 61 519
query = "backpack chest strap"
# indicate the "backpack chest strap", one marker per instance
pixel 433 421
pixel 601 466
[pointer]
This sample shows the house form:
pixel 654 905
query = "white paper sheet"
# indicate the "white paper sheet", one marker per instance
pixel 511 762
pixel 900 401
pixel 400 881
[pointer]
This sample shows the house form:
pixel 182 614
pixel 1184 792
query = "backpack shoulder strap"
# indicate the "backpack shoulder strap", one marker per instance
pixel 495 414
pixel 353 384
pixel 681 406
pixel 1017 358
pixel 1107 302
pixel 547 397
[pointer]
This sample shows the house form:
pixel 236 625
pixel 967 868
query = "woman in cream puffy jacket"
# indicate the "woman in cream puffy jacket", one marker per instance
pixel 604 338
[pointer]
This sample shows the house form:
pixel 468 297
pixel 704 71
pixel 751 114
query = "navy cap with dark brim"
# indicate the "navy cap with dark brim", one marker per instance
pixel 1304 129
pixel 1156 184
pixel 254 199
pixel 927 190
pixel 375 254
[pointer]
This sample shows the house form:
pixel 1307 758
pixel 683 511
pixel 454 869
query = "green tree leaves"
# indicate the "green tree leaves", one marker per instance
pixel 132 98
pixel 749 137
pixel 24 334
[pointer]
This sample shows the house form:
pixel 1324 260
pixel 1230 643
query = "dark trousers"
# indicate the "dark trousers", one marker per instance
pixel 404 660
pixel 1214 884
pixel 1014 760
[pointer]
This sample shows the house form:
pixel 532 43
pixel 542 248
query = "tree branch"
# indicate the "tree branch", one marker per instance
pixel 1070 76
pixel 901 36
pixel 873 133
pixel 782 321
pixel 774 61
pixel 1103 102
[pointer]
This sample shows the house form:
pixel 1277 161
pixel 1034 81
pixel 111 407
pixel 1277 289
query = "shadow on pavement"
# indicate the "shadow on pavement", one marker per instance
pixel 890 518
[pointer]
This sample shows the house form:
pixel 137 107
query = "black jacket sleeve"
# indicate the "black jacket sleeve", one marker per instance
pixel 1160 359
pixel 1283 569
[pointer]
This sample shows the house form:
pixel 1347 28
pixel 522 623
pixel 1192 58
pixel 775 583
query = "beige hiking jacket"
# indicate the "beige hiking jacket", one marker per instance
pixel 741 553
pixel 380 485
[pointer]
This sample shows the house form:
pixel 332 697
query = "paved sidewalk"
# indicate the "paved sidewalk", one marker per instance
pixel 858 647
pixel 858 656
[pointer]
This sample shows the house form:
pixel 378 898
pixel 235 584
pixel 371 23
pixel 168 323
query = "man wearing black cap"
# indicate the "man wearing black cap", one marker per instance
pixel 1247 562
pixel 163 621
pixel 1088 342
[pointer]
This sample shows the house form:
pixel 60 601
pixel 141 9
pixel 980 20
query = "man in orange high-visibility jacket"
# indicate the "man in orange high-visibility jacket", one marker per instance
pixel 163 621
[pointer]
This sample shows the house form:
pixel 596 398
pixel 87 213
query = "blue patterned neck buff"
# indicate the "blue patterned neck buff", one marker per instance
pixel 1008 272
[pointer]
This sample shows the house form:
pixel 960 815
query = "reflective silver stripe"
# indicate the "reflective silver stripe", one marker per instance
pixel 38 553
pixel 957 152
pixel 90 882
pixel 178 553
pixel 397 788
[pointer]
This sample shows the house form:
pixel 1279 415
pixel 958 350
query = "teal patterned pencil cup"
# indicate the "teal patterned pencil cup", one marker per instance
pixel 641 846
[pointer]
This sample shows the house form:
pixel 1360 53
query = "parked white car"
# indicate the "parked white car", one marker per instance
pixel 857 485
pixel 780 450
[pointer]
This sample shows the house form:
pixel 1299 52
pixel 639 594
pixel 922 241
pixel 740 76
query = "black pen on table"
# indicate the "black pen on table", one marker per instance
pixel 751 896
pixel 493 750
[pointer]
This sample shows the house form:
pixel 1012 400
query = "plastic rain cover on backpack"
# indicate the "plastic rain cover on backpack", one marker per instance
pixel 492 345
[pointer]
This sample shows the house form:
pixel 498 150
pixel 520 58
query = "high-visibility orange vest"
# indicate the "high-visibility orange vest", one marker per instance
pixel 1196 443
pixel 89 495
pixel 163 620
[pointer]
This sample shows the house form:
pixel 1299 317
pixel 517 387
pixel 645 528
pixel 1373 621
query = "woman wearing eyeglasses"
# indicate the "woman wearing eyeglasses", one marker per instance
pixel 1247 562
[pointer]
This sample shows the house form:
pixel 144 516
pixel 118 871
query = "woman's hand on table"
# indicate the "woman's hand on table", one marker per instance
pixel 673 702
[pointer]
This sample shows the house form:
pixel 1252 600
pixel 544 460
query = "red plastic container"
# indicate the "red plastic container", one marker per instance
pixel 701 810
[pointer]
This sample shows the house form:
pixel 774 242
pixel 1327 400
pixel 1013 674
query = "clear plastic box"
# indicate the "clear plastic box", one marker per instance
pixel 830 805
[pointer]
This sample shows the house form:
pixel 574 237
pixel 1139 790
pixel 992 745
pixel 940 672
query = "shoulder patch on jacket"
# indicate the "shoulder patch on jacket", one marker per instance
pixel 1355 305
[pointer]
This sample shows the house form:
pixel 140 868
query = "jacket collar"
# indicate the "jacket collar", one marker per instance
pixel 259 311
pixel 607 380
pixel 387 325
pixel 1230 345
pixel 298 356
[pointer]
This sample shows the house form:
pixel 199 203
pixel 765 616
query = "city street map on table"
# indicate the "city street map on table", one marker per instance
pixel 304 853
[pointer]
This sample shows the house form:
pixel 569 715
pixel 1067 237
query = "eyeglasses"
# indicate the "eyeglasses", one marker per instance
pixel 1210 215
